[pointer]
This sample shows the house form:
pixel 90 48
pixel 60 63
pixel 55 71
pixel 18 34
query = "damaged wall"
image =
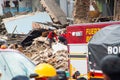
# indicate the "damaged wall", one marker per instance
pixel 15 6
pixel 81 8
pixel 36 6
pixel 116 10
pixel 56 13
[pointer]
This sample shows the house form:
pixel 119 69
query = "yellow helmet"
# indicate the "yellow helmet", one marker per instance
pixel 45 70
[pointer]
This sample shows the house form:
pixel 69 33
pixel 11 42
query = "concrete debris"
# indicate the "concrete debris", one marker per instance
pixel 48 25
pixel 28 19
pixel 54 11
pixel 33 34
pixel 27 41
pixel 40 52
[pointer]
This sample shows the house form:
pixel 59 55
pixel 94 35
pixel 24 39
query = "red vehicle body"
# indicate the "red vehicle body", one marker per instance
pixel 79 36
pixel 86 31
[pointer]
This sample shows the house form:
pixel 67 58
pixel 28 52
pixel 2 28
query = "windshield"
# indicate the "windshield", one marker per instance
pixel 17 63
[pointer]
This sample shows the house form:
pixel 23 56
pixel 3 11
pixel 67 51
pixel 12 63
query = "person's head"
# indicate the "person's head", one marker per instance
pixel 44 70
pixel 55 31
pixel 76 74
pixel 110 66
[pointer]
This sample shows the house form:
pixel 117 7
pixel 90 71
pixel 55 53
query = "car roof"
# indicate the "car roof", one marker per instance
pixel 10 50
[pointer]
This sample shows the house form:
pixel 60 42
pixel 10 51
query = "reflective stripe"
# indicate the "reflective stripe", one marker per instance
pixel 77 56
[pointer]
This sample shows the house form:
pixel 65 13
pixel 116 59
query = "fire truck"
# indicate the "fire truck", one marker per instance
pixel 79 37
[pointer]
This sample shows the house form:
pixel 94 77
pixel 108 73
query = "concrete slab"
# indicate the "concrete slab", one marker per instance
pixel 23 24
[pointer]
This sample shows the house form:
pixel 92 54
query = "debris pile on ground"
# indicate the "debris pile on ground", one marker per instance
pixel 37 48
pixel 40 52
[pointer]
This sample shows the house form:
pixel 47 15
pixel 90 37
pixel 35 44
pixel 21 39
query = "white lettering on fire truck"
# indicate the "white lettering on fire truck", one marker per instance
pixel 79 33
pixel 113 49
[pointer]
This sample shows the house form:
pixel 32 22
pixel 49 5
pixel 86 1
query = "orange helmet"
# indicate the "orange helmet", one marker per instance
pixel 3 46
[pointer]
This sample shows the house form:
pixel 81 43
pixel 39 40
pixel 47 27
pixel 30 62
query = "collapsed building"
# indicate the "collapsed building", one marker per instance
pixel 40 52
pixel 22 31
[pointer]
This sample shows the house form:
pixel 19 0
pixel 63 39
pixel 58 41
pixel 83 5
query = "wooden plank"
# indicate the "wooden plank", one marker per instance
pixel 54 11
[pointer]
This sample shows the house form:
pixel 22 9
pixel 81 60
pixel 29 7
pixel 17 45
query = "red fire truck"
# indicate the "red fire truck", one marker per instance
pixel 79 36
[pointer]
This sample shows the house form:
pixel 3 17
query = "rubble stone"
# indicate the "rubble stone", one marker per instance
pixel 40 52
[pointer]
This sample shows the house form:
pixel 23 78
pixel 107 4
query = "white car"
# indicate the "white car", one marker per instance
pixel 13 63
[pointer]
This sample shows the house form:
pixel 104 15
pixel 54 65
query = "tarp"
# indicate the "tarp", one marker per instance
pixel 104 42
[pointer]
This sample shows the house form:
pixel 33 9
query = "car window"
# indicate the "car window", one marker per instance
pixel 18 64
pixel 4 70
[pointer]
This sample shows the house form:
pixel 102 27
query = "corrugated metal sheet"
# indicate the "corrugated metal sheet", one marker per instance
pixel 24 22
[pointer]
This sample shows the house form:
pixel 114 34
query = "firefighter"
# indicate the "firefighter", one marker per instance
pixel 44 71
pixel 62 38
pixel 76 75
pixel 51 36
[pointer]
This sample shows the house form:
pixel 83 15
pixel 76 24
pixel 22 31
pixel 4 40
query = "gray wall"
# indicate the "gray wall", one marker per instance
pixel 66 6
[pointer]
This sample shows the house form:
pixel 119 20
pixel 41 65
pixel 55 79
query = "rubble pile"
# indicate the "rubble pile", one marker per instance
pixel 37 49
pixel 40 52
